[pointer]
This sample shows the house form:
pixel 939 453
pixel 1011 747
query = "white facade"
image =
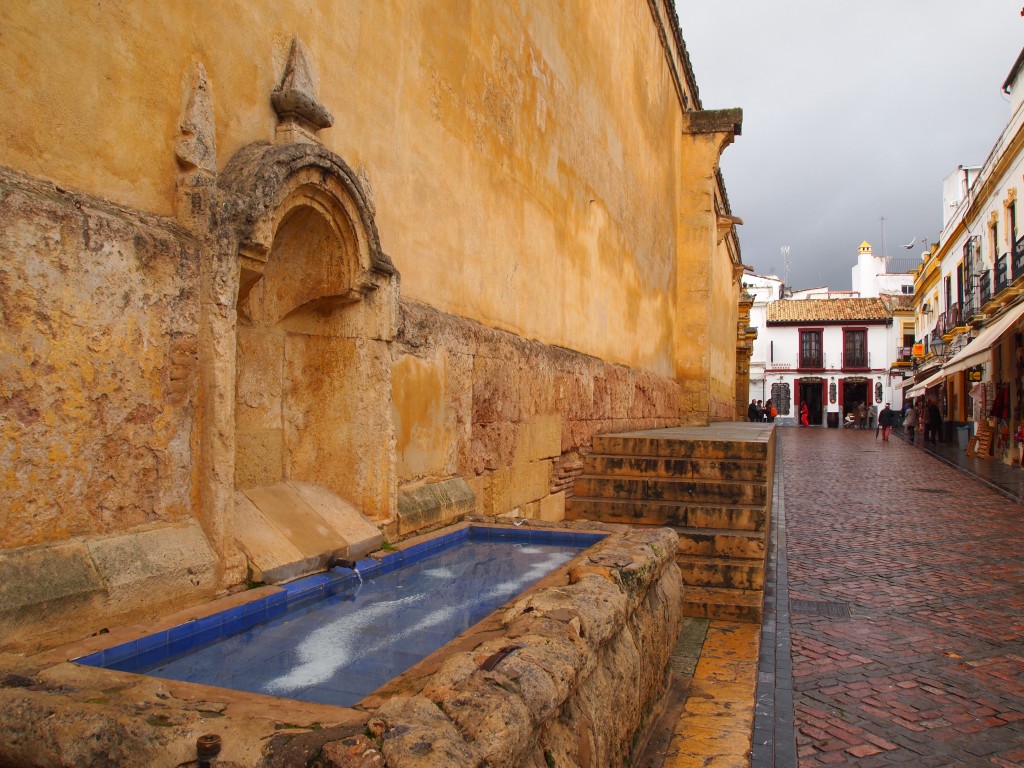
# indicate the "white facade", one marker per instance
pixel 839 384
pixel 775 359
pixel 764 289
pixel 970 287
pixel 871 278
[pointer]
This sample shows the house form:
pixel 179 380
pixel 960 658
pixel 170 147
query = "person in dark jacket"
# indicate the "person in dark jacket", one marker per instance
pixel 753 412
pixel 885 418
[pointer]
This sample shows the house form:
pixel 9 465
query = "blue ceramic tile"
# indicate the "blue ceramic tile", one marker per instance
pixel 188 629
pixel 151 658
pixel 208 634
pixel 205 624
pixel 156 641
pixel 92 660
pixel 120 652
pixel 129 664
pixel 256 607
pixel 180 645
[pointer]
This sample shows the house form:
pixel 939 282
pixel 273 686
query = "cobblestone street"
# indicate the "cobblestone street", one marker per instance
pixel 904 615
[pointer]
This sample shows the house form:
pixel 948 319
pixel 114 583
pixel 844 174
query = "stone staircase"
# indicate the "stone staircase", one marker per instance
pixel 713 485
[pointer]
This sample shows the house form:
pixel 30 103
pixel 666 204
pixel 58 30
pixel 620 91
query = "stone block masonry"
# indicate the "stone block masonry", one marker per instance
pixel 508 414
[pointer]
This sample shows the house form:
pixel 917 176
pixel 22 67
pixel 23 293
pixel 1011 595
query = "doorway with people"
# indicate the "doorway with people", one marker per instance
pixel 855 392
pixel 811 394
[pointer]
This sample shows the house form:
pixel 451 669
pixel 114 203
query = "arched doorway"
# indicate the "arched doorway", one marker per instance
pixel 315 312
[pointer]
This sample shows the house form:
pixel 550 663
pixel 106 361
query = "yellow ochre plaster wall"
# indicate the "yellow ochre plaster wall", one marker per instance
pixel 510 240
pixel 520 154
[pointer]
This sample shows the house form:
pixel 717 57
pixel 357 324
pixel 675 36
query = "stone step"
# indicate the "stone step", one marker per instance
pixel 751 470
pixel 723 604
pixel 665 489
pixel 733 573
pixel 712 542
pixel 673 447
pixel 684 514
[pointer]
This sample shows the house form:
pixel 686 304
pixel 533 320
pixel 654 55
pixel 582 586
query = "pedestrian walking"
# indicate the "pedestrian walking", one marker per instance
pixel 885 419
pixel 752 412
pixel 805 416
pixel 862 416
pixel 934 421
pixel 910 422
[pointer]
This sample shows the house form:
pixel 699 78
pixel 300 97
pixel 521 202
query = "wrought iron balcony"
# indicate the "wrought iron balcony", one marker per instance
pixel 1018 258
pixel 856 360
pixel 1002 273
pixel 984 281
pixel 951 318
pixel 970 307
pixel 904 357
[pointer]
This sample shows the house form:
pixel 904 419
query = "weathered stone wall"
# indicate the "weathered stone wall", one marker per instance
pixel 502 411
pixel 98 369
pixel 98 415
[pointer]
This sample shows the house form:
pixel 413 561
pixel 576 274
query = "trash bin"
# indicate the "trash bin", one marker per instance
pixel 963 436
pixel 833 420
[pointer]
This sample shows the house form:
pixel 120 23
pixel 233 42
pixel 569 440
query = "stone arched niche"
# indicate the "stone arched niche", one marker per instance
pixel 315 311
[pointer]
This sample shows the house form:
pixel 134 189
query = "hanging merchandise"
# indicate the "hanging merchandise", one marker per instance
pixel 1001 403
pixel 978 400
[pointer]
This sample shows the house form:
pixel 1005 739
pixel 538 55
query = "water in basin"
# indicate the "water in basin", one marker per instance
pixel 344 646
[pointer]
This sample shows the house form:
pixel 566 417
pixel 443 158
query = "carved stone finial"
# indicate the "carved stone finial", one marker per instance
pixel 300 114
pixel 196 147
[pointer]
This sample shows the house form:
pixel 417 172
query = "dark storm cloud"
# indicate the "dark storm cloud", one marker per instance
pixel 852 112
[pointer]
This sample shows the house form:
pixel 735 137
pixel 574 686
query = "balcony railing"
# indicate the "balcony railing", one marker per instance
pixel 952 318
pixel 1002 273
pixel 855 360
pixel 984 281
pixel 970 308
pixel 940 325
pixel 812 362
pixel 904 354
pixel 1018 258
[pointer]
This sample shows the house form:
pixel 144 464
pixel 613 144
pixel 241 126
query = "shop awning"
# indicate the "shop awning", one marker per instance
pixel 979 351
pixel 918 389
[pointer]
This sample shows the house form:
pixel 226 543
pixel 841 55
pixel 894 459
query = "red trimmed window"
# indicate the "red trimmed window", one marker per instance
pixel 811 355
pixel 855 348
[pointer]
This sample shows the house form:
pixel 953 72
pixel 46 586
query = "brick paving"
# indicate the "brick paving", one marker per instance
pixel 928 668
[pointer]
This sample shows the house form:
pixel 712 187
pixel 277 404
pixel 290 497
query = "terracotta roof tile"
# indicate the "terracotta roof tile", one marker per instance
pixel 827 311
pixel 899 302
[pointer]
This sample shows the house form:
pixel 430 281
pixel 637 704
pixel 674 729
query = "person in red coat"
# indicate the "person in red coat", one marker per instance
pixel 805 416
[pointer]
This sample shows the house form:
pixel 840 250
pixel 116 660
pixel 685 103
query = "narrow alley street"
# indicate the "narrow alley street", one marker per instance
pixel 894 629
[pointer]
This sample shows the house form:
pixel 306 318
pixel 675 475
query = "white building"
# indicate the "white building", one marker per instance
pixel 872 276
pixel 830 354
pixel 968 292
pixel 764 289
pixel 863 350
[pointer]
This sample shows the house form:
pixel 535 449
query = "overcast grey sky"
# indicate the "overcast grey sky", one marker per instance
pixel 851 111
